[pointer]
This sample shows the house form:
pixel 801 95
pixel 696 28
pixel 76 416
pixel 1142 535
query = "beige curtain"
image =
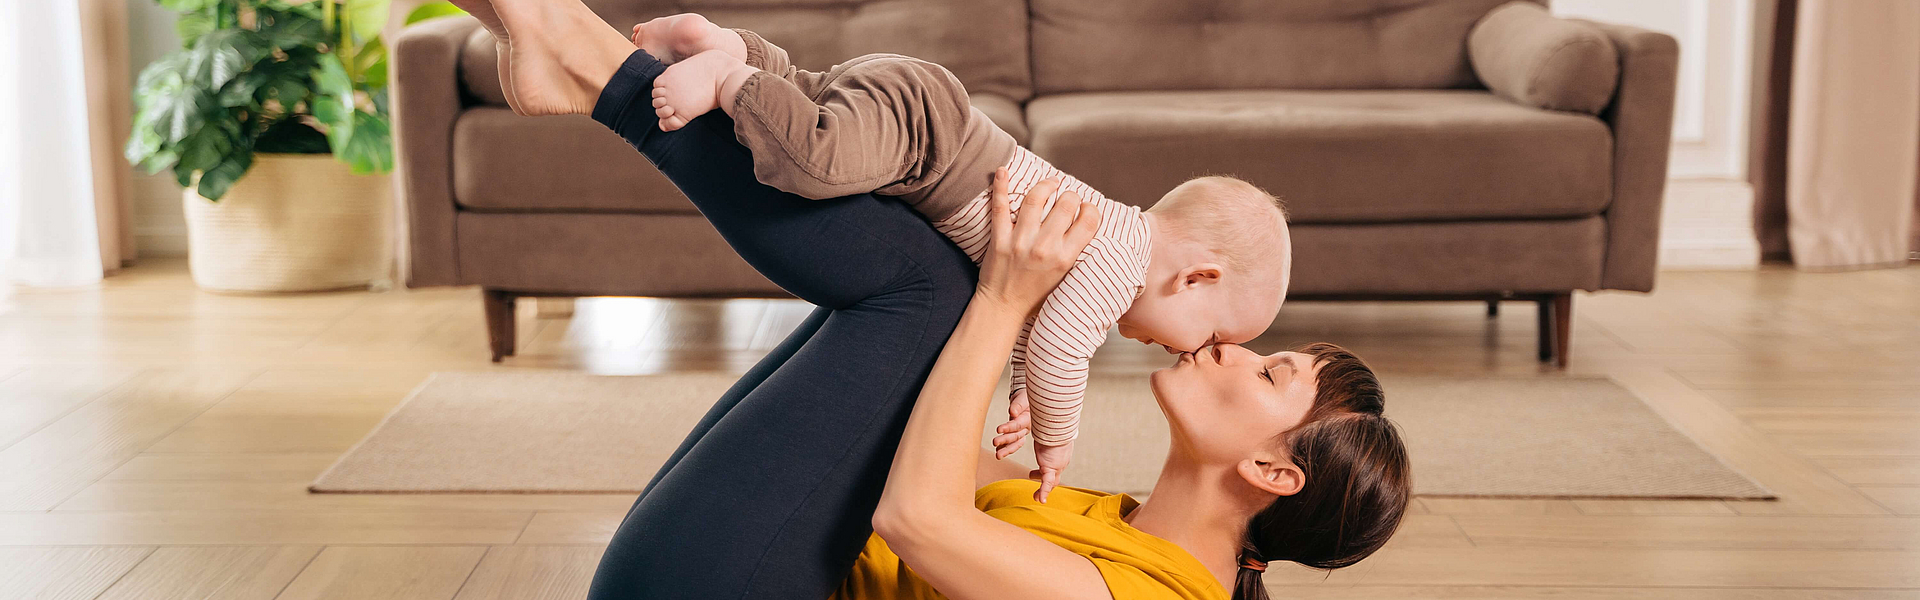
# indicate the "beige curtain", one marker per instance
pixel 103 33
pixel 1837 131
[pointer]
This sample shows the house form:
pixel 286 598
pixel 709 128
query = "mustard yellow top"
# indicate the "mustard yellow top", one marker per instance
pixel 1135 565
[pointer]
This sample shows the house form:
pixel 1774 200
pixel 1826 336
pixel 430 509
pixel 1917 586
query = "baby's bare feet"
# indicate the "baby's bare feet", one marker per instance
pixel 694 86
pixel 678 37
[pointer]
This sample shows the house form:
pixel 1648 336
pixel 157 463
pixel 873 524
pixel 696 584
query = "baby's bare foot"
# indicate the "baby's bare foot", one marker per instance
pixel 675 38
pixel 694 86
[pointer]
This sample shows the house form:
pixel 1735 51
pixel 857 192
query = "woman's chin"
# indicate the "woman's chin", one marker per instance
pixel 1161 382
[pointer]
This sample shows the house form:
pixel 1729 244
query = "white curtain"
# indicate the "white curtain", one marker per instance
pixel 48 230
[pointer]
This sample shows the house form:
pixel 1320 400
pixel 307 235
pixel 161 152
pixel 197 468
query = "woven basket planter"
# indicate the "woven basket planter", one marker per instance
pixel 293 223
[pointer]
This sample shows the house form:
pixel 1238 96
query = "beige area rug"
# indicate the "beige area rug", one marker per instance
pixel 1564 437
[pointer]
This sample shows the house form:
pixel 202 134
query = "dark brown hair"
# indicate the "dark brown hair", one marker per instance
pixel 1358 480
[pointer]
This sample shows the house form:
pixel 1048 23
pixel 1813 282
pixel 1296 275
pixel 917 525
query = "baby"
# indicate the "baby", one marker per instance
pixel 1208 263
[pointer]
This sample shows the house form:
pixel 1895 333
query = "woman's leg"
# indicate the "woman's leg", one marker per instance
pixel 747 383
pixel 774 497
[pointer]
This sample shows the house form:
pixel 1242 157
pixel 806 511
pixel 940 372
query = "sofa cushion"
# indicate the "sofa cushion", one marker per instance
pixel 1525 54
pixel 1004 113
pixel 1336 157
pixel 1111 45
pixel 506 162
pixel 983 42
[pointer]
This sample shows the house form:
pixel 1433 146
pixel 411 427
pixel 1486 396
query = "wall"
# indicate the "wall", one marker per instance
pixel 159 225
pixel 1707 220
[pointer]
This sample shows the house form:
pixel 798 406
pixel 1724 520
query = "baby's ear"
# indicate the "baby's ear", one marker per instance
pixel 1199 275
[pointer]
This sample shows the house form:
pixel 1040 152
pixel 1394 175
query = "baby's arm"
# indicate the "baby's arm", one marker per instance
pixel 1072 323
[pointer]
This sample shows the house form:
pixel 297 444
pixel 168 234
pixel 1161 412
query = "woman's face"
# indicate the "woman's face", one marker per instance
pixel 1225 402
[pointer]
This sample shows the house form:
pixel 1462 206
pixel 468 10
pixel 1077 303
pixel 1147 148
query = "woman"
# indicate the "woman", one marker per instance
pixel 1282 457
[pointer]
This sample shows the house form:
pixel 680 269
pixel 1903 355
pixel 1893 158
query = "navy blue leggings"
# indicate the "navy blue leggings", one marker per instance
pixel 772 494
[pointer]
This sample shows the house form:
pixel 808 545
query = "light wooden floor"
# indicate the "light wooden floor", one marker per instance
pixel 155 440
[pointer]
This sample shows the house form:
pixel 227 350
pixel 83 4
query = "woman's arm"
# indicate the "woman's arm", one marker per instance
pixel 926 513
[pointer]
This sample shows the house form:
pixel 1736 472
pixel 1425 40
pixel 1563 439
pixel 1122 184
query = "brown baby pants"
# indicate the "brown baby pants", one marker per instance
pixel 882 123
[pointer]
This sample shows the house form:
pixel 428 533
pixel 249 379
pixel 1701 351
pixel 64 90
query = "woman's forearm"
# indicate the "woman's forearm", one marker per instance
pixel 940 449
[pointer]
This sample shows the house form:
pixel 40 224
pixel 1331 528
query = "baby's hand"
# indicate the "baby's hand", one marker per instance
pixel 1053 460
pixel 1015 429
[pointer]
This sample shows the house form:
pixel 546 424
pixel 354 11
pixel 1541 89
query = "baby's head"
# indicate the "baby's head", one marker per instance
pixel 1221 261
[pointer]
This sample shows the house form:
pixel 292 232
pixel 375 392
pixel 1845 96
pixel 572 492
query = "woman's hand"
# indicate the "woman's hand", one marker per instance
pixel 1031 252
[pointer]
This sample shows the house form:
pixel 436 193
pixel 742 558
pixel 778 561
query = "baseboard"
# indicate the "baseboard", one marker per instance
pixel 1707 224
pixel 160 241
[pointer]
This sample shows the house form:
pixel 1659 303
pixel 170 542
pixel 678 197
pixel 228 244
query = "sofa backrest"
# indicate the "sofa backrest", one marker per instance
pixel 984 42
pixel 1105 45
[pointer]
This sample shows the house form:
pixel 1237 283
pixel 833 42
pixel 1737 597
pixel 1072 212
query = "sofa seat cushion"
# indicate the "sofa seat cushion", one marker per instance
pixel 1336 156
pixel 506 162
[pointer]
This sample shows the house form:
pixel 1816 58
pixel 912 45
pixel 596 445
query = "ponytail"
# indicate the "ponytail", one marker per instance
pixel 1246 583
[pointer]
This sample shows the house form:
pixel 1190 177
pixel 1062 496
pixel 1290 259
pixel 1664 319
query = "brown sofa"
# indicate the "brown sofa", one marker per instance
pixel 1427 149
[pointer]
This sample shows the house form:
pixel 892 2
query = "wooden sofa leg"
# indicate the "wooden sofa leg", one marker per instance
pixel 1556 327
pixel 1493 308
pixel 498 305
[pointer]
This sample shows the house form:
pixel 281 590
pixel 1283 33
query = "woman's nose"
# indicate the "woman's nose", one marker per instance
pixel 1231 353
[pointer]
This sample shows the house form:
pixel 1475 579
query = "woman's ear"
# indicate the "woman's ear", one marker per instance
pixel 1274 476
pixel 1196 276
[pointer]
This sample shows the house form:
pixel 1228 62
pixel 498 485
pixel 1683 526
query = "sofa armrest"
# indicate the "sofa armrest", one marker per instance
pixel 1641 116
pixel 1527 55
pixel 426 102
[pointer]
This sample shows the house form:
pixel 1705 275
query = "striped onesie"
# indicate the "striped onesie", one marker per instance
pixel 1050 358
pixel 897 126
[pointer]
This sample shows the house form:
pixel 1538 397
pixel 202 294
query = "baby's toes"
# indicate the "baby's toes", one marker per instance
pixel 673 123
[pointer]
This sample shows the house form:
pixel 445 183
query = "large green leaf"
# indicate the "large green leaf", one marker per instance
pixel 370 65
pixel 432 10
pixel 192 25
pixel 163 98
pixel 365 18
pixel 207 146
pixel 330 78
pixel 215 182
pixel 286 26
pixel 219 56
pixel 186 5
pixel 370 148
pixel 171 109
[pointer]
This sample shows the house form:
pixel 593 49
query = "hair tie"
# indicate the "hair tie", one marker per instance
pixel 1248 562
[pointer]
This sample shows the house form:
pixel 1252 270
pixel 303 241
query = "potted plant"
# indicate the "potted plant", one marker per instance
pixel 274 118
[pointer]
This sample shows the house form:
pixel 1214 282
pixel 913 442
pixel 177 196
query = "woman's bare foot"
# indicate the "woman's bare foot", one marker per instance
pixel 483 10
pixel 694 86
pixel 675 38
pixel 559 57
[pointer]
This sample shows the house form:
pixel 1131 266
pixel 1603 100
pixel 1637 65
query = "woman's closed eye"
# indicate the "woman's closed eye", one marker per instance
pixel 1267 374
